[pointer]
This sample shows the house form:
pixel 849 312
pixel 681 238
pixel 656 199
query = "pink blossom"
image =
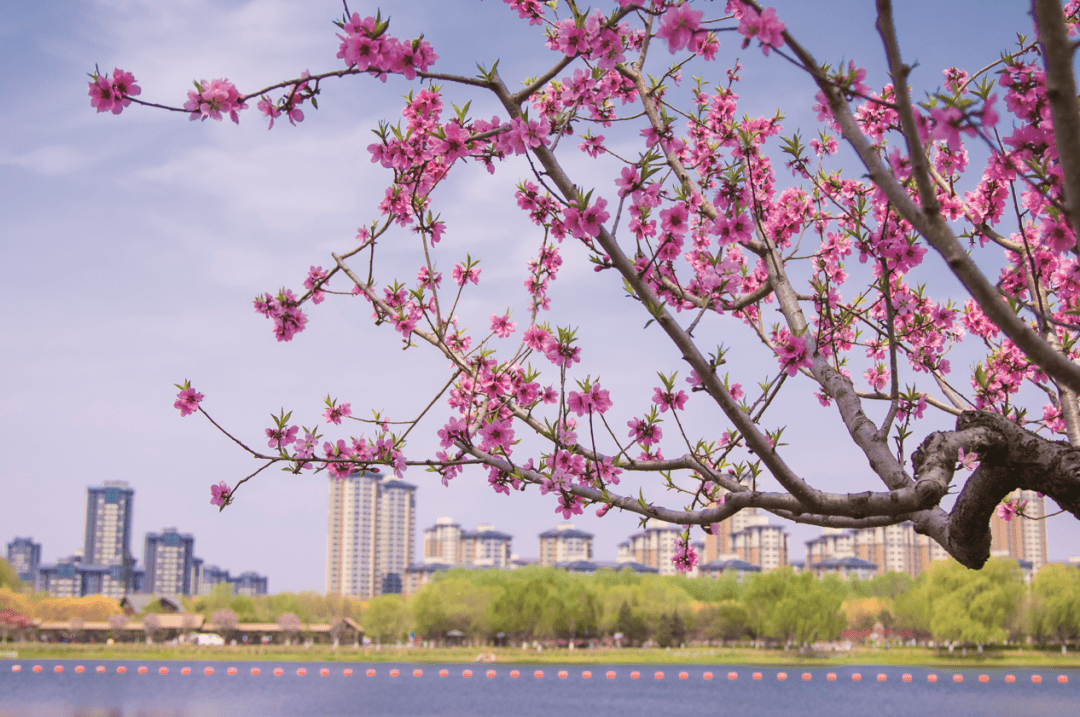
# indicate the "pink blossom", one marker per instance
pixel 669 399
pixel 502 325
pixel 535 337
pixel 646 434
pixel 462 275
pixel 316 274
pixel 213 98
pixel 497 434
pixel 113 95
pixel 187 401
pixel 968 461
pixel 1011 508
pixel 678 27
pixel 279 437
pixel 766 26
pixel 685 557
pixel 336 412
pixel 220 494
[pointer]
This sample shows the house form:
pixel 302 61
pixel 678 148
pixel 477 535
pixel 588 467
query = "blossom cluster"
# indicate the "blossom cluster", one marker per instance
pixel 112 94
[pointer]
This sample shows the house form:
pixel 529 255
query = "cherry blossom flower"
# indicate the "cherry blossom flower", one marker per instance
pixel 112 95
pixel 220 495
pixel 678 27
pixel 968 461
pixel 669 399
pixel 685 557
pixel 212 98
pixel 1010 509
pixel 336 412
pixel 502 325
pixel 187 401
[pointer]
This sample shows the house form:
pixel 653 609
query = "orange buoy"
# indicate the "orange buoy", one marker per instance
pixel 490 673
pixel 1063 679
pixel 466 673
pixel 371 673
pixel 563 674
pixel 395 673
pixel 79 669
pixel 856 677
pixel 324 672
pixel 142 669
pixel 185 670
pixel 100 668
pixel 756 675
pixel 586 675
pixel 163 670
pixel 831 677
pixel 931 678
pixel 208 671
pixel 38 668
pixel 301 671
pixel 781 676
pixel 16 668
pixel 1037 679
pixel 347 672
pixel 58 669
pixel 1010 678
pixel 121 670
pixel 957 678
pixel 444 673
pixel 806 676
pixel 733 675
pixel 417 673
pixel 278 672
pixel 515 674
pixel 635 675
pixel 232 671
pixel 659 675
pixel 984 678
pixel 906 677
pixel 684 675
pixel 882 677
pixel 610 675
pixel 538 674
pixel 707 676
pixel 255 672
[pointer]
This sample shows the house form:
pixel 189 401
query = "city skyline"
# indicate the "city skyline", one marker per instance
pixel 106 565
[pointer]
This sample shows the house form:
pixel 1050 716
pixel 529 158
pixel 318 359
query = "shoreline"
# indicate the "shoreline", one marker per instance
pixel 909 657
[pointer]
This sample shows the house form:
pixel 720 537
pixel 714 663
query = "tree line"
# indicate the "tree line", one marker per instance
pixel 948 603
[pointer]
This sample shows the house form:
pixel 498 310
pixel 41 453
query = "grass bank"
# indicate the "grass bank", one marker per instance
pixel 914 657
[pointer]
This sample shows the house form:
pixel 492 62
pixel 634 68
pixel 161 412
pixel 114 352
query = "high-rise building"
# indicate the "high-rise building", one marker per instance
pixel 250 584
pixel 168 559
pixel 484 547
pixel 210 576
pixel 762 545
pixel 24 555
pixel 442 541
pixel 108 537
pixel 655 546
pixel 1022 538
pixel 369 540
pixel 565 544
pixel 892 548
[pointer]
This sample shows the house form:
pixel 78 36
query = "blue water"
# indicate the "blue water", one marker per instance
pixel 29 694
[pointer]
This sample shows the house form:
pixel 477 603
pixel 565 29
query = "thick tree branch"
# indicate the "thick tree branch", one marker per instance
pixel 1058 51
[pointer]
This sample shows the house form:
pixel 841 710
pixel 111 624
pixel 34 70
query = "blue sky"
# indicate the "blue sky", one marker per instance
pixel 133 246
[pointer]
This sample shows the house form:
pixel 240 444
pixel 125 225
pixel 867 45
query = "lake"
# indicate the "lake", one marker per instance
pixel 109 694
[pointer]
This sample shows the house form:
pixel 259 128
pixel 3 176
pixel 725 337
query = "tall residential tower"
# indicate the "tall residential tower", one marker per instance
pixel 369 539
